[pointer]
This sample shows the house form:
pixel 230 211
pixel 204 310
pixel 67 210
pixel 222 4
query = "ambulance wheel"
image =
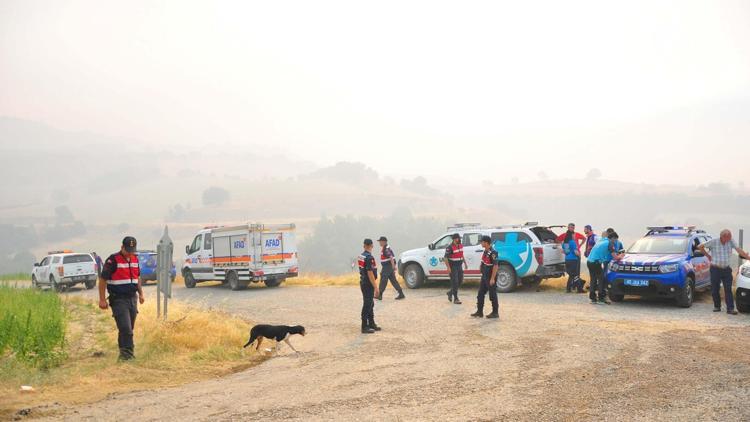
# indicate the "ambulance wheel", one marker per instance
pixel 685 298
pixel 413 276
pixel 743 307
pixel 189 279
pixel 273 282
pixel 34 283
pixel 90 284
pixel 506 280
pixel 53 283
pixel 234 281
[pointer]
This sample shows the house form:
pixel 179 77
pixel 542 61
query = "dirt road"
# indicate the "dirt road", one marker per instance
pixel 551 356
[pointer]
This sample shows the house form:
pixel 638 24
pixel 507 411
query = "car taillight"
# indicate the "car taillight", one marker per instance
pixel 61 271
pixel 539 255
pixel 294 270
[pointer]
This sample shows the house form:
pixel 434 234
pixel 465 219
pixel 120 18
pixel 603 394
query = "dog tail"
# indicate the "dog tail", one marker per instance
pixel 249 342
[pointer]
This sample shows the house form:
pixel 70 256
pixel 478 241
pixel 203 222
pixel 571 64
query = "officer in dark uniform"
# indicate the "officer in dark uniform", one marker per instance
pixel 368 284
pixel 488 268
pixel 388 269
pixel 454 260
pixel 120 278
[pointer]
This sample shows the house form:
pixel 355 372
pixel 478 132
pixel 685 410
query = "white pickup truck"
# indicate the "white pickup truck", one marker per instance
pixel 526 252
pixel 239 255
pixel 63 269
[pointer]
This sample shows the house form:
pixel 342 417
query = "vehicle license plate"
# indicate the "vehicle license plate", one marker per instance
pixel 636 283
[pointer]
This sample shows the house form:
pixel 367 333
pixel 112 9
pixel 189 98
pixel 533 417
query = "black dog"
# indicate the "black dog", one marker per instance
pixel 277 332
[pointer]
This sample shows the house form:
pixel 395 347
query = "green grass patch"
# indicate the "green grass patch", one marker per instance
pixel 32 327
pixel 15 277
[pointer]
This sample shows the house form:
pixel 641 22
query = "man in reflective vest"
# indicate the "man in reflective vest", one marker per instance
pixel 120 279
pixel 388 269
pixel 454 260
pixel 488 268
pixel 368 284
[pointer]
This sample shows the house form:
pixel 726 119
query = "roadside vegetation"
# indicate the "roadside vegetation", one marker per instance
pixel 70 353
pixel 15 277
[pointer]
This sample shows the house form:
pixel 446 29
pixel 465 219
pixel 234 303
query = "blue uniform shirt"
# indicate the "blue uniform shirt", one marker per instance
pixel 600 252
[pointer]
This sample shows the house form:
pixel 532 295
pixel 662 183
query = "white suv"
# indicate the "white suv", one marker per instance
pixel 742 294
pixel 61 270
pixel 526 252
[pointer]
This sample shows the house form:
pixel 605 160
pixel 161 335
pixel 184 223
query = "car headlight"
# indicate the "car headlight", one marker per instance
pixel 745 271
pixel 668 268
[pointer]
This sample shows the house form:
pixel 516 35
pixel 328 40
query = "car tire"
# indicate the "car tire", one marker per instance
pixel 615 297
pixel 507 279
pixel 234 281
pixel 90 284
pixel 685 298
pixel 743 307
pixel 189 279
pixel 58 287
pixel 273 282
pixel 413 276
pixel 34 283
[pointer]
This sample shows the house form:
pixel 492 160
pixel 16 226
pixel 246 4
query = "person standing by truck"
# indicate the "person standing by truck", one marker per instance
pixel 368 275
pixel 721 271
pixel 120 278
pixel 591 239
pixel 488 268
pixel 454 260
pixel 571 243
pixel 388 269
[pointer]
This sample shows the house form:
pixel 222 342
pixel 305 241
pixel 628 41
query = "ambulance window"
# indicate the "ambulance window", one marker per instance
pixel 44 262
pixel 207 241
pixel 55 260
pixel 443 243
pixel 471 239
pixel 196 246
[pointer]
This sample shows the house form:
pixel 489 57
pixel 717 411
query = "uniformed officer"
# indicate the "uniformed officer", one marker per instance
pixel 488 268
pixel 388 269
pixel 454 260
pixel 368 276
pixel 120 279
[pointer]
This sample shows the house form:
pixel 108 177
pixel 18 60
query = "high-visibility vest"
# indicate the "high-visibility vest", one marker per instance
pixel 456 253
pixel 386 257
pixel 127 272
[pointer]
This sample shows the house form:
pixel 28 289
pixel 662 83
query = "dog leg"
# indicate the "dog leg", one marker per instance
pixel 276 349
pixel 286 340
pixel 257 347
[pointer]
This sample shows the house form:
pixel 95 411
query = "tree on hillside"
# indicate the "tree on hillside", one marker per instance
pixel 215 196
pixel 593 174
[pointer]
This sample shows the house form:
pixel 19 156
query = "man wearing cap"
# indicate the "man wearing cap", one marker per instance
pixel 488 268
pixel 120 279
pixel 388 269
pixel 454 260
pixel 368 276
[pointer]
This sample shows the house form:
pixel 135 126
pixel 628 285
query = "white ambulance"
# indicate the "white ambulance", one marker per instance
pixel 239 255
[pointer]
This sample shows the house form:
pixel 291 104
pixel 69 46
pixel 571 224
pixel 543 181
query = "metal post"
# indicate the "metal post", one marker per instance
pixel 164 269
pixel 742 235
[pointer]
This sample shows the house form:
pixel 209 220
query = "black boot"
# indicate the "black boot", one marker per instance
pixel 366 329
pixel 371 324
pixel 450 296
pixel 400 295
pixel 478 314
pixel 493 315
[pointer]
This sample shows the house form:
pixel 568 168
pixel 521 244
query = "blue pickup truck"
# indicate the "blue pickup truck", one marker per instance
pixel 147 262
pixel 663 263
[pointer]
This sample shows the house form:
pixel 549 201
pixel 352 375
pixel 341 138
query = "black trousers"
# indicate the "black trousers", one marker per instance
pixel 124 311
pixel 457 277
pixel 368 303
pixel 388 274
pixel 597 281
pixel 721 276
pixel 484 288
pixel 573 268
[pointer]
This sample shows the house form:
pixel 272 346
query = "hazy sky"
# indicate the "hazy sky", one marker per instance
pixel 406 87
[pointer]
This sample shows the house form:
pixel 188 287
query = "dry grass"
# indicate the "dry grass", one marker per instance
pixel 195 344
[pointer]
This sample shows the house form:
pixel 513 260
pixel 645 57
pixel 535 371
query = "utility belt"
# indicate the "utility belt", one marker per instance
pixel 719 267
pixel 122 295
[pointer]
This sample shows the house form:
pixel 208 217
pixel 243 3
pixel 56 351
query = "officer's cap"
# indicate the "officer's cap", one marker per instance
pixel 368 242
pixel 382 239
pixel 486 239
pixel 130 244
pixel 456 236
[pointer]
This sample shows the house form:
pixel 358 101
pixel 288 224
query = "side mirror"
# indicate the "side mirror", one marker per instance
pixel 36 264
pixel 697 253
pixel 431 246
pixel 187 249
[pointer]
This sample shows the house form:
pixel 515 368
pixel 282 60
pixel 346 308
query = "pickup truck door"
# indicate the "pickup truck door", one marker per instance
pixel 434 260
pixel 42 271
pixel 472 253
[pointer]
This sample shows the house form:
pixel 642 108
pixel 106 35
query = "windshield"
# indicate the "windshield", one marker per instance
pixel 659 245
pixel 74 259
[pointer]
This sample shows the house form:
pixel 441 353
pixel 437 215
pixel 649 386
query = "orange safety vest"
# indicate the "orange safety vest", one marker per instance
pixel 127 272
pixel 457 252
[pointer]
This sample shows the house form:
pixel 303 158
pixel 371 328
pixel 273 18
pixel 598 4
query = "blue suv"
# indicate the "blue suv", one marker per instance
pixel 147 263
pixel 663 263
